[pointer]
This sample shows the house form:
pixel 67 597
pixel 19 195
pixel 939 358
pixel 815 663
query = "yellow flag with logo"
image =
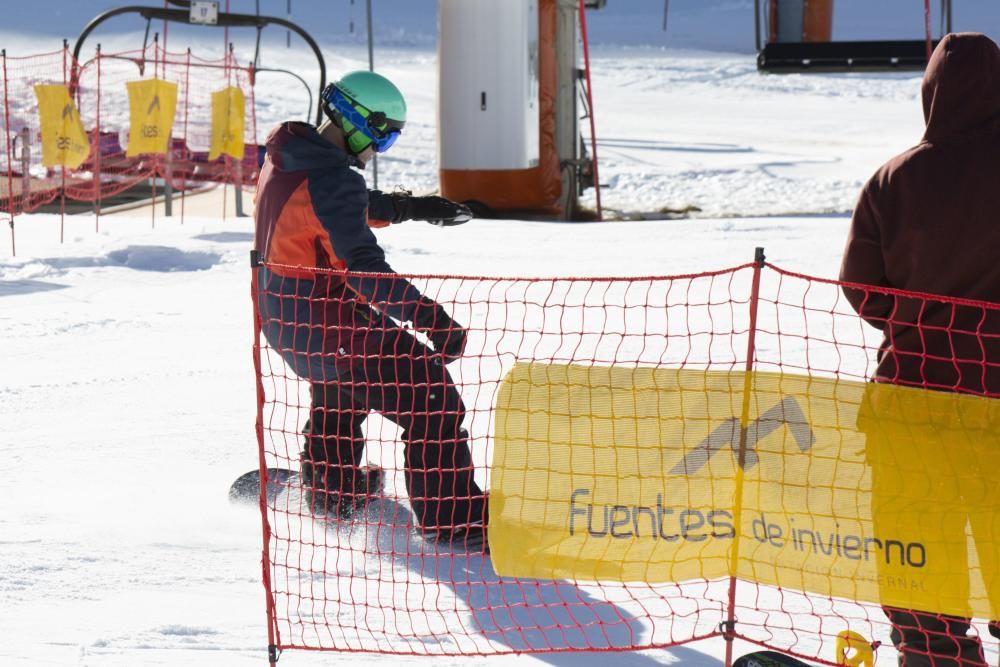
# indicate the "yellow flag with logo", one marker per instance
pixel 152 103
pixel 227 123
pixel 861 491
pixel 64 141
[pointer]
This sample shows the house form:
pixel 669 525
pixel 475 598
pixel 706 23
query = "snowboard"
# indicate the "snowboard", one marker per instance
pixel 246 488
pixel 768 659
pixel 246 491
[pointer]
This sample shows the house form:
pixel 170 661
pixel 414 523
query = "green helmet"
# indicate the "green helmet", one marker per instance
pixel 368 107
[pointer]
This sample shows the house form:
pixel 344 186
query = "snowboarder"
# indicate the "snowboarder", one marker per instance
pixel 927 222
pixel 341 332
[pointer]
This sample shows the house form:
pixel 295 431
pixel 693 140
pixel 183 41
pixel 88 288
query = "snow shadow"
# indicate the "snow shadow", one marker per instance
pixel 673 146
pixel 226 237
pixel 164 259
pixel 526 615
pixel 12 287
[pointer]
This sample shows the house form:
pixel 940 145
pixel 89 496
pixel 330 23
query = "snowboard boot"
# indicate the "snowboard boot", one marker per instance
pixel 333 492
pixel 934 640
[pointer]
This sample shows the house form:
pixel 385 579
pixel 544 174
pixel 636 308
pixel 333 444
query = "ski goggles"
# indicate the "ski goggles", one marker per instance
pixel 381 130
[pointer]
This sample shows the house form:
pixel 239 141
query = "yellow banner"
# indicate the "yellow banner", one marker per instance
pixel 866 492
pixel 227 123
pixel 152 103
pixel 64 141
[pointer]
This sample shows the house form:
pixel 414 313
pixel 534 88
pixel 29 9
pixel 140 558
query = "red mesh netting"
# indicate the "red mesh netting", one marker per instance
pixel 667 459
pixel 100 95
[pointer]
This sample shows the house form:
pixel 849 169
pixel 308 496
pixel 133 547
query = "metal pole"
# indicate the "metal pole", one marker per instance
pixel 239 189
pixel 730 622
pixel 371 68
pixel 756 24
pixel 25 136
pixel 590 104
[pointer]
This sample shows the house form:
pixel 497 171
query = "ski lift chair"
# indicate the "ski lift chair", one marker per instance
pixel 798 39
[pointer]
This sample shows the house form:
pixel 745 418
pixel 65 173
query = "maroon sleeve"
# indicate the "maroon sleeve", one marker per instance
pixel 864 262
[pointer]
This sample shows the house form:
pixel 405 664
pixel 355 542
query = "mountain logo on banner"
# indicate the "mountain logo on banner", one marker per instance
pixel 786 413
pixel 155 104
pixel 67 112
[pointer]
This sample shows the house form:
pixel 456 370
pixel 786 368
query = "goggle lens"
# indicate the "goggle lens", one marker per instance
pixel 385 142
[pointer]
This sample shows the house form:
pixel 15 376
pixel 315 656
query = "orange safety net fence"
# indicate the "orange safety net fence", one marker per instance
pixel 664 460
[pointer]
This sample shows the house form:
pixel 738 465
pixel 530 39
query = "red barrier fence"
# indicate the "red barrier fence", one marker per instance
pixel 668 460
pixel 99 93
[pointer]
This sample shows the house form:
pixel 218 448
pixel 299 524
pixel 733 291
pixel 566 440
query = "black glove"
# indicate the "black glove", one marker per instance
pixel 447 335
pixel 435 210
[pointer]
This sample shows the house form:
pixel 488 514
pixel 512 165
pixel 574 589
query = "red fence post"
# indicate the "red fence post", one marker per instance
pixel 730 622
pixel 10 165
pixel 272 633
pixel 62 168
pixel 187 107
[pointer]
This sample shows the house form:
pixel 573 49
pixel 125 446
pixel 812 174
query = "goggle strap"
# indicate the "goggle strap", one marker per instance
pixel 347 111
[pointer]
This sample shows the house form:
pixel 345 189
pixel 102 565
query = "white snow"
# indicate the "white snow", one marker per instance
pixel 127 398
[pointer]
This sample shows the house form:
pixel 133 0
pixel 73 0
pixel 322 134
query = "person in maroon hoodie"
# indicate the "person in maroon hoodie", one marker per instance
pixel 929 221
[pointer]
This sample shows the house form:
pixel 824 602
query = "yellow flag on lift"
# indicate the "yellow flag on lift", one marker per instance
pixel 152 103
pixel 227 123
pixel 64 141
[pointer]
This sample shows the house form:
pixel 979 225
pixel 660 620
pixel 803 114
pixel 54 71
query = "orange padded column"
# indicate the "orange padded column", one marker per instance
pixel 818 21
pixel 799 20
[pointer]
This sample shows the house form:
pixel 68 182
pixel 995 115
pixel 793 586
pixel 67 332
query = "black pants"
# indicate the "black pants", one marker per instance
pixel 407 385
pixel 935 640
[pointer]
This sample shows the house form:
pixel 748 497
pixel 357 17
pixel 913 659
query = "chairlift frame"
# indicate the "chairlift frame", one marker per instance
pixel 843 56
pixel 225 20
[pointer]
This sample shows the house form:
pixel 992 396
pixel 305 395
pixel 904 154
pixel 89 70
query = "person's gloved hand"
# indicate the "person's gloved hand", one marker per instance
pixel 435 210
pixel 448 336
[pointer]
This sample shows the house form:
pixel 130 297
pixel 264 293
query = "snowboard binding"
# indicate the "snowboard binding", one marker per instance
pixel 338 492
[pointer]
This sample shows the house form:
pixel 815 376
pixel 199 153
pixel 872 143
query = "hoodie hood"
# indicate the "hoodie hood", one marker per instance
pixel 297 146
pixel 961 87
